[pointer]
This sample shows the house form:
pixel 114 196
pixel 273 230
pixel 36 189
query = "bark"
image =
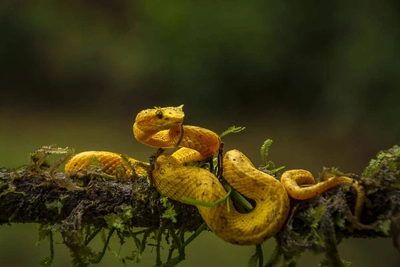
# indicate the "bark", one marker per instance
pixel 80 205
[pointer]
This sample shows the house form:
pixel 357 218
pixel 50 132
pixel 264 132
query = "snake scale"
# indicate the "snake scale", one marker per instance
pixel 162 128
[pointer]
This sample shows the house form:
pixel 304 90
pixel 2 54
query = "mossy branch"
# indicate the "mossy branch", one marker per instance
pixel 85 204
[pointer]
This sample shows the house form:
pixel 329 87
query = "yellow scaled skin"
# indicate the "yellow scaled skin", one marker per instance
pixel 109 162
pixel 272 203
pixel 162 127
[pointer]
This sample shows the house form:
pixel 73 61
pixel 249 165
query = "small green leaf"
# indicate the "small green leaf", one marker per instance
pixel 114 221
pixel 253 260
pixel 384 227
pixel 46 262
pixel 264 151
pixel 170 214
pixel 55 205
pixel 317 215
pixel 232 129
pixel 268 164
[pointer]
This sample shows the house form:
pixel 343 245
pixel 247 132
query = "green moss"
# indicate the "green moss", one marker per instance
pixel 55 205
pixel 120 219
pixel 169 212
pixel 47 230
pixel 384 227
pixel 388 158
pixel 316 215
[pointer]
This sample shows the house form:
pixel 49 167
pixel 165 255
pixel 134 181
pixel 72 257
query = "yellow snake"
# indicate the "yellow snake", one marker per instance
pixel 162 127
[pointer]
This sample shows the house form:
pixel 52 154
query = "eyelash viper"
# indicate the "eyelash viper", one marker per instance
pixel 162 128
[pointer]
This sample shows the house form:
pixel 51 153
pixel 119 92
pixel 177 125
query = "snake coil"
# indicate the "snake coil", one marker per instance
pixel 162 128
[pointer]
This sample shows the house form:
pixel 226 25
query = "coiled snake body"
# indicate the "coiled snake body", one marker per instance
pixel 161 127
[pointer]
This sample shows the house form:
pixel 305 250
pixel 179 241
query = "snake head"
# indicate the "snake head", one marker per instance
pixel 157 119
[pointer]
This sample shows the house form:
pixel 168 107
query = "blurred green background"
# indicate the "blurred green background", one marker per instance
pixel 319 78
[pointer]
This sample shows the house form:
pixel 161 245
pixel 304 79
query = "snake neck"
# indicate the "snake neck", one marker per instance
pixel 197 143
pixel 160 138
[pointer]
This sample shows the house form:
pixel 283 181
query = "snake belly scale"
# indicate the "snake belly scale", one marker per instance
pixel 162 128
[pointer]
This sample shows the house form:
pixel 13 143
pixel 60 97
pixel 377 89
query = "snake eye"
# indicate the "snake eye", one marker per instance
pixel 159 114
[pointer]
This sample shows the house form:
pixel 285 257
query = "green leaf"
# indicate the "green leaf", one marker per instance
pixel 114 221
pixel 253 260
pixel 232 129
pixel 264 151
pixel 268 164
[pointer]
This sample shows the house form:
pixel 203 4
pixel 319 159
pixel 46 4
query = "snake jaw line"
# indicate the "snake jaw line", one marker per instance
pixel 158 119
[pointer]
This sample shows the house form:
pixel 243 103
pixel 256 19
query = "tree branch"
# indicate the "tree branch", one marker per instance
pixel 29 195
pixel 79 206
